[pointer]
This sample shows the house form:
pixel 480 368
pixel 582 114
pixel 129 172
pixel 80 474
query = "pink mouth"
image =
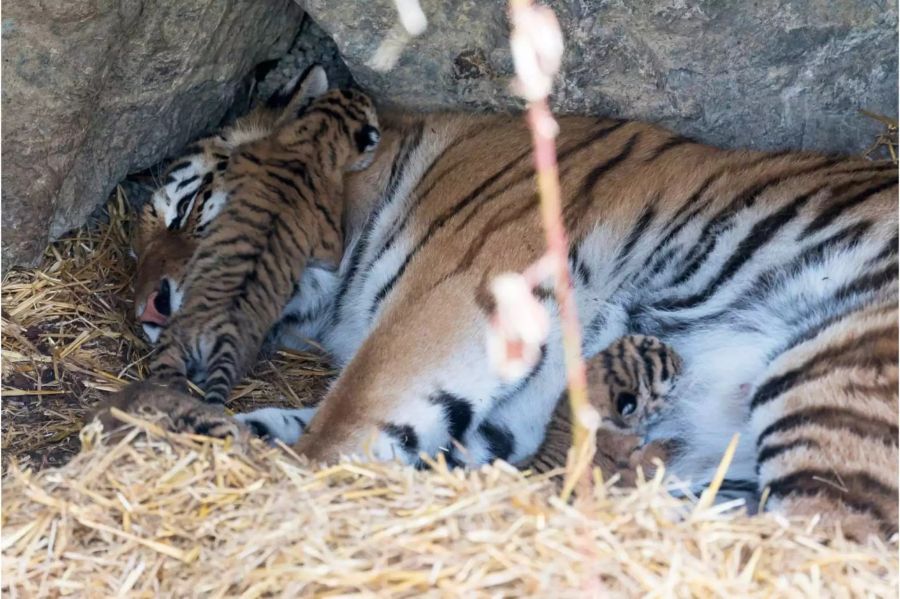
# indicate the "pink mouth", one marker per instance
pixel 151 315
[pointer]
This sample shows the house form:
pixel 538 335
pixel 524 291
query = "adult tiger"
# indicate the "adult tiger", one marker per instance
pixel 772 275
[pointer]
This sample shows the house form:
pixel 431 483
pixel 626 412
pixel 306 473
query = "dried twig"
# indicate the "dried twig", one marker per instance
pixel 537 47
pixel 886 139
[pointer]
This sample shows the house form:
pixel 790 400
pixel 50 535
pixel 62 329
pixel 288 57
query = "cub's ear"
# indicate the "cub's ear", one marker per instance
pixel 297 93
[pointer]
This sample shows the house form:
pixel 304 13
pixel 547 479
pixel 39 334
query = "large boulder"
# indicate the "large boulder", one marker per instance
pixel 758 74
pixel 93 90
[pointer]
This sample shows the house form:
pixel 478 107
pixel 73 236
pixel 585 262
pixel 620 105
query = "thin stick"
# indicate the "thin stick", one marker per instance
pixel 534 86
pixel 541 123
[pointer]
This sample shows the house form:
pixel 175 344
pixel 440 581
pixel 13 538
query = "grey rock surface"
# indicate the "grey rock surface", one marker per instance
pixel 773 74
pixel 311 46
pixel 93 90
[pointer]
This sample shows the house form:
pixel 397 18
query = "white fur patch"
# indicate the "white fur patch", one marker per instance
pixel 282 424
pixel 184 182
pixel 212 207
pixel 152 332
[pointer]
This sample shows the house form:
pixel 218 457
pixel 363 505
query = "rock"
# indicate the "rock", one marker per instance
pixel 95 90
pixel 767 75
pixel 311 46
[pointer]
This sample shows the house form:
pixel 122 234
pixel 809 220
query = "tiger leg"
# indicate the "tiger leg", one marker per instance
pixel 180 412
pixel 170 367
pixel 825 420
pixel 166 391
pixel 175 363
pixel 213 350
pixel 420 383
pixel 283 424
pixel 430 392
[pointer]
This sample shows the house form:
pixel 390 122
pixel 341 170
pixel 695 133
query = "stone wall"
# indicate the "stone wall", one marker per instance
pixel 771 74
pixel 93 90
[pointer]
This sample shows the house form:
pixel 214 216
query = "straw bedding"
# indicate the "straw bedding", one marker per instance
pixel 178 517
pixel 172 515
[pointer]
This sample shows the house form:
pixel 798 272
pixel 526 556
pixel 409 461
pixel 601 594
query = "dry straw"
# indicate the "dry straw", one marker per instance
pixel 159 515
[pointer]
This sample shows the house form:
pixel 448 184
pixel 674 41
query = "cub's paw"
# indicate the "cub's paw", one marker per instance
pixel 622 455
pixel 648 457
pixel 270 344
pixel 204 419
pixel 630 382
pixel 173 409
pixel 277 424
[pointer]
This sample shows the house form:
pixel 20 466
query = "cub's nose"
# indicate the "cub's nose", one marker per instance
pixel 158 307
pixel 151 314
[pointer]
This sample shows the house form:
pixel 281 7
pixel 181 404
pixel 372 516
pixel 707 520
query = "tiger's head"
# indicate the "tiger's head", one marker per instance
pixel 170 224
pixel 363 133
pixel 353 144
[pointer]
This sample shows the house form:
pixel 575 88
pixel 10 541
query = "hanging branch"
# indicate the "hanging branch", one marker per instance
pixel 537 48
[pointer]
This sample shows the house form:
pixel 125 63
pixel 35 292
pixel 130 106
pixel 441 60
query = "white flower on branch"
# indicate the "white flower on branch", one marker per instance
pixel 411 16
pixel 537 49
pixel 518 329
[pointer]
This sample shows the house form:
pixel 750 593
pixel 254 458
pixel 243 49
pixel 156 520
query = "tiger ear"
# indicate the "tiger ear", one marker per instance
pixel 297 93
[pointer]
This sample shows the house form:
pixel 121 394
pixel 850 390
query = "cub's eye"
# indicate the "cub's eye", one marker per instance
pixel 367 138
pixel 626 403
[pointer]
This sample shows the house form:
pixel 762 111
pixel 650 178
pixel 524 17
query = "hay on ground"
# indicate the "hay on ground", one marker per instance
pixel 173 515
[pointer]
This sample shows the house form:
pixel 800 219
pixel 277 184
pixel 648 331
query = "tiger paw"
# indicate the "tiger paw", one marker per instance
pixel 623 455
pixel 277 424
pixel 175 410
pixel 630 381
pixel 648 457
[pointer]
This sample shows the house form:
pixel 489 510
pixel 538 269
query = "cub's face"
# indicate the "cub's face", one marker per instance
pixel 364 128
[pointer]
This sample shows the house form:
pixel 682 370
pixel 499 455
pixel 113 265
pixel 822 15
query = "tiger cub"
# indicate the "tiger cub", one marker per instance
pixel 172 222
pixel 283 211
pixel 629 384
